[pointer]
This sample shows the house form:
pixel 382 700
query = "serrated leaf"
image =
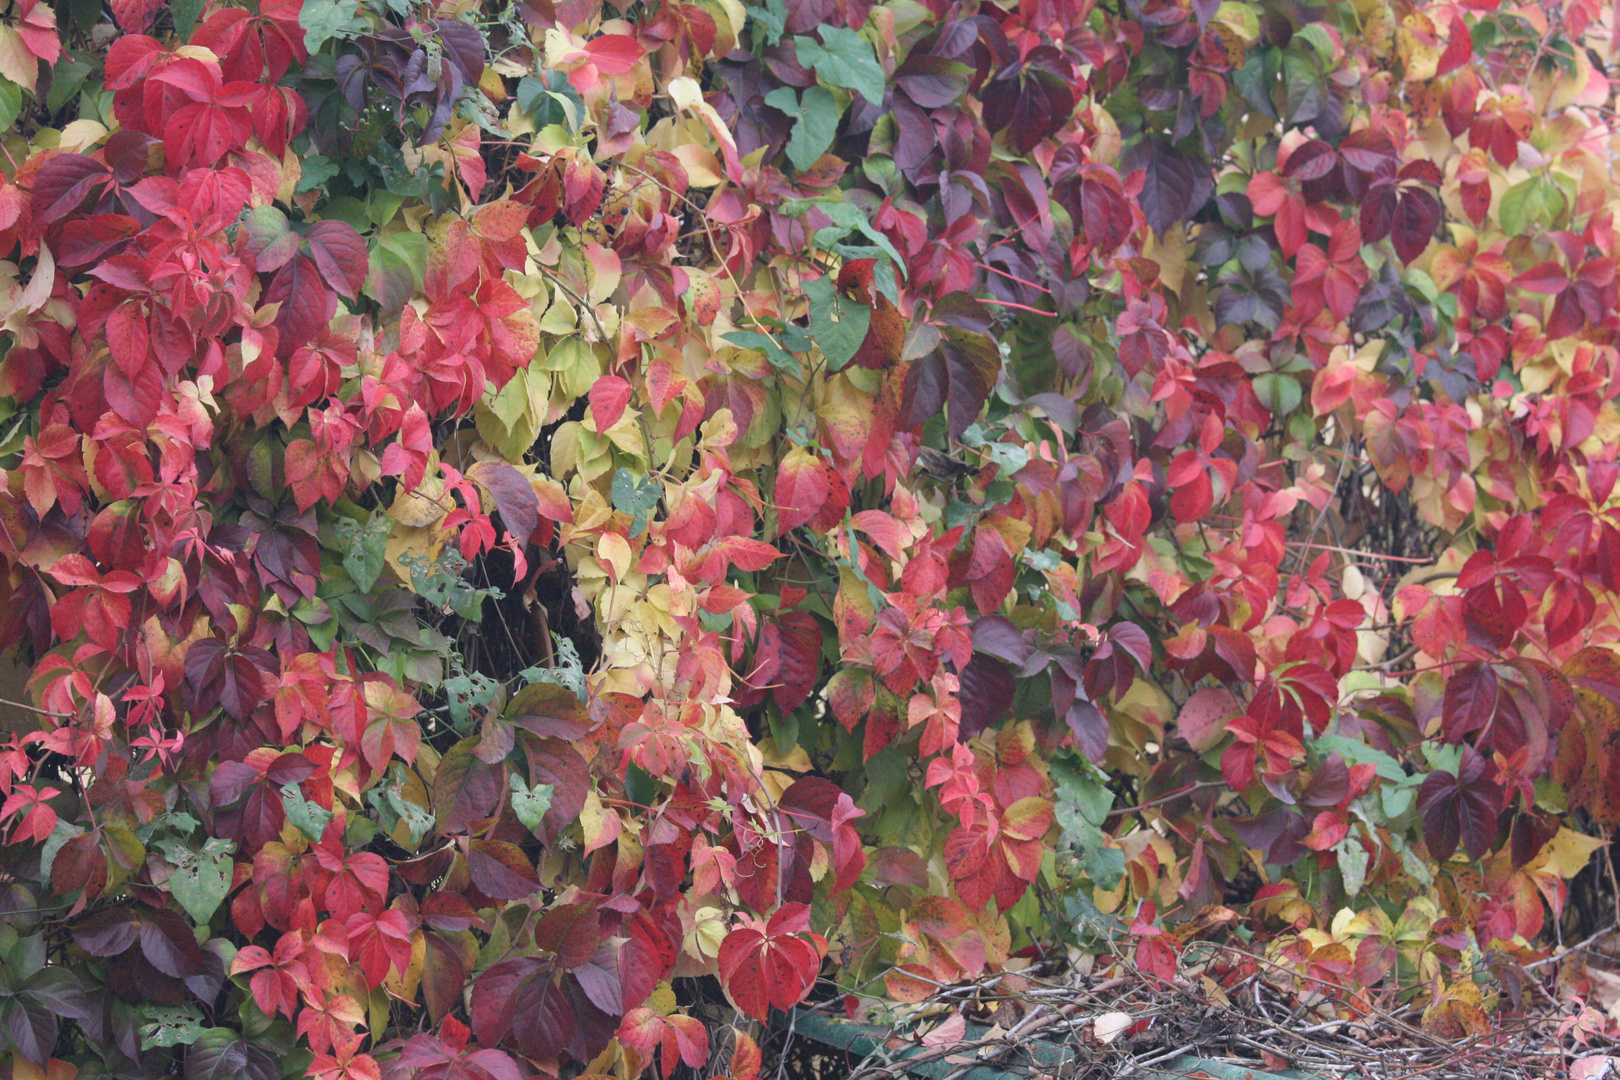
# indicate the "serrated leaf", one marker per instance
pixel 185 14
pixel 838 325
pixel 1514 211
pixel 636 496
pixel 171 1025
pixel 67 79
pixel 200 884
pixel 843 59
pixel 11 99
pixel 322 20
pixel 779 358
pixel 307 817
pixel 815 116
pixel 368 545
pixel 531 804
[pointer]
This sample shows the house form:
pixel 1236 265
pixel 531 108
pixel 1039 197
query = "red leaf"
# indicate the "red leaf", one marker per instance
pixel 340 255
pixel 802 486
pixel 379 942
pixel 1549 278
pixel 615 54
pixel 514 496
pixel 1459 47
pixel 134 16
pixel 770 968
pixel 203 132
pixel 500 870
pixel 990 572
pixel 609 395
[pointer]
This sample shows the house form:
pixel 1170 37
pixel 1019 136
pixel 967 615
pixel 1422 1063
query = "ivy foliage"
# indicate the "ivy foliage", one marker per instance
pixel 513 508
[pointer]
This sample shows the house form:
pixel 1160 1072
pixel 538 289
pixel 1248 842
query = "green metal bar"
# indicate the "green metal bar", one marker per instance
pixel 863 1040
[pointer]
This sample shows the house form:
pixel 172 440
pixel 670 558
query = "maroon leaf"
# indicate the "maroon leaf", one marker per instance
pixel 62 184
pixel 87 240
pixel 1378 209
pixel 555 762
pixel 1470 700
pixel 514 497
pixel 1030 100
pixel 931 81
pixel 500 870
pixel 572 933
pixel 996 635
pixel 986 694
pixel 800 659
pixel 108 933
pixel 1416 219
pixel 465 789
pixel 1310 160
pixel 1460 807
pixel 340 254
pixel 307 304
pixel 1173 187
pixel 1090 729
pixel 1329 784
pixel 957 376
pixel 169 945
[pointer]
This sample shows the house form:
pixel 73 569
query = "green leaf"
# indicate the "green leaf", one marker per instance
pixel 1083 799
pixel 315 172
pixel 323 20
pixel 1352 863
pixel 846 218
pixel 67 79
pixel 636 496
pixel 768 21
pixel 1104 866
pixel 815 122
pixel 1279 393
pixel 171 1025
pixel 843 59
pixel 530 804
pixel 838 325
pixel 200 884
pixel 398 266
pixel 1514 211
pixel 363 561
pixel 308 818
pixel 779 358
pixel 185 14
pixel 553 102
pixel 11 97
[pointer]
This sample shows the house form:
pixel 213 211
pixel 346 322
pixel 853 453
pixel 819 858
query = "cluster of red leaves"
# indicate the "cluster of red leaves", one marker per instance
pixel 870 603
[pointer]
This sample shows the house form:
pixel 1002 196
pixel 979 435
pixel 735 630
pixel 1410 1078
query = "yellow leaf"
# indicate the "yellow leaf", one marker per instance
pixel 1565 855
pixel 423 543
pixel 598 825
pixel 424 506
pixel 16 62
pixel 403 985
pixel 614 551
pixel 1419 47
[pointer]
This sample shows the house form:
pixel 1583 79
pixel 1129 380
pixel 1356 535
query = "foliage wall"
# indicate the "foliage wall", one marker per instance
pixel 526 517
